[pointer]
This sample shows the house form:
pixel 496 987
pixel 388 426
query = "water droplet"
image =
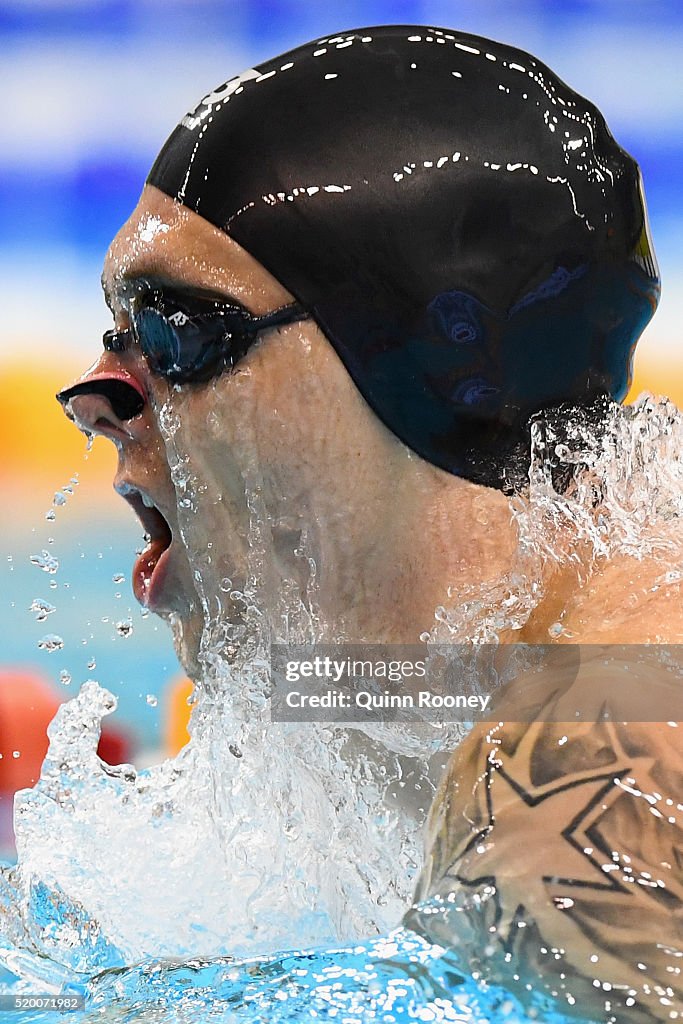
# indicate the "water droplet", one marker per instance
pixel 50 515
pixel 89 438
pixel 52 584
pixel 59 499
pixel 42 608
pixel 64 677
pixel 152 700
pixel 124 628
pixel 118 577
pixel 226 585
pixel 51 642
pixel 555 630
pixel 169 420
pixel 92 663
pixel 16 753
pixel 45 561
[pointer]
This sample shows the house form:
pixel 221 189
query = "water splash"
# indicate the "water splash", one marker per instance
pixel 42 608
pixel 45 561
pixel 255 814
pixel 51 642
pixel 604 483
pixel 62 495
pixel 397 978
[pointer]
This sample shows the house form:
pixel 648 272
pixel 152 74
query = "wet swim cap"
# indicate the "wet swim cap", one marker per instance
pixel 461 224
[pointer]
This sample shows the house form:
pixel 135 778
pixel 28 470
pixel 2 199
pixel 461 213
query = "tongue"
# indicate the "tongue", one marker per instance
pixel 143 570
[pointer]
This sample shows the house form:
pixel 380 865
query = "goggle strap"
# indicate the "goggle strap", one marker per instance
pixel 285 315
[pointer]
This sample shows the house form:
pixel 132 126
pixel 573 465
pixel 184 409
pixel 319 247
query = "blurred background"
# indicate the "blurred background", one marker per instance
pixel 89 90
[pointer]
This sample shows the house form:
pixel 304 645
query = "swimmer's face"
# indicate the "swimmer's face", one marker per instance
pixel 286 424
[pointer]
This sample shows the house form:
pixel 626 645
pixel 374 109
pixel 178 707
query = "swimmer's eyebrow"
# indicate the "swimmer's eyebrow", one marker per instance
pixel 128 286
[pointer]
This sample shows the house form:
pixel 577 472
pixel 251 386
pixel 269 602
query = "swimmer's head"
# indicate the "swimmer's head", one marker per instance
pixel 443 239
pixel 459 222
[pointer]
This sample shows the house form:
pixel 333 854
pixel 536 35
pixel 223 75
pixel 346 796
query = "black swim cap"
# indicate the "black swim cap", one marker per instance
pixel 461 224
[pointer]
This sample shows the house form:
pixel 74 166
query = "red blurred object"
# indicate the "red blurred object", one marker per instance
pixel 115 746
pixel 27 706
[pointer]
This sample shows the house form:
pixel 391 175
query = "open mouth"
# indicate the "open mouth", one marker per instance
pixel 150 565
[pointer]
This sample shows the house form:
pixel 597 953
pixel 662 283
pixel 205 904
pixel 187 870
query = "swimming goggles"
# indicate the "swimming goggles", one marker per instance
pixel 190 339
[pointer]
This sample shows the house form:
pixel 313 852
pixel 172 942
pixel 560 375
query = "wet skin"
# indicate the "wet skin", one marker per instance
pixel 390 532
pixel 380 520
pixel 570 833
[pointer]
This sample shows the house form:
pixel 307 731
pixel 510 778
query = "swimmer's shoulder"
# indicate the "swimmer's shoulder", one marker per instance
pixel 628 601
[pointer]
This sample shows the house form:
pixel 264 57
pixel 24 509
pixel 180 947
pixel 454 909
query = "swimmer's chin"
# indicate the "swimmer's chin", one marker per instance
pixel 187 635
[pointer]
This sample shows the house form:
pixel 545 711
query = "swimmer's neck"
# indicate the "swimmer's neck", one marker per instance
pixel 444 542
pixel 443 558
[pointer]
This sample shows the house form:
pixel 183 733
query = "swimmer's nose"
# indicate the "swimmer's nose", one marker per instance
pixel 103 404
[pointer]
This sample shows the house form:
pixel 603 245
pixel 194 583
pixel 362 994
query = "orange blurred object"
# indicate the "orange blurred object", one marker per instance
pixel 177 715
pixel 27 706
pixel 659 377
pixel 38 442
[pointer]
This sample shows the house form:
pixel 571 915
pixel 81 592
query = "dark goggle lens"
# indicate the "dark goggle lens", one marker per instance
pixel 195 342
pixel 189 348
pixel 159 340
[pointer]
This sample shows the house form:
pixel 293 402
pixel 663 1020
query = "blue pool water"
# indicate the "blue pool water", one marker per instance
pixel 394 979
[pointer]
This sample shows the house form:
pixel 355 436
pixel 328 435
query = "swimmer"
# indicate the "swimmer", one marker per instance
pixel 358 271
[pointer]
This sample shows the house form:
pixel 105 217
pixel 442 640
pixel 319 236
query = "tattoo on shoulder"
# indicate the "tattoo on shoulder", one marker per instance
pixel 561 845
